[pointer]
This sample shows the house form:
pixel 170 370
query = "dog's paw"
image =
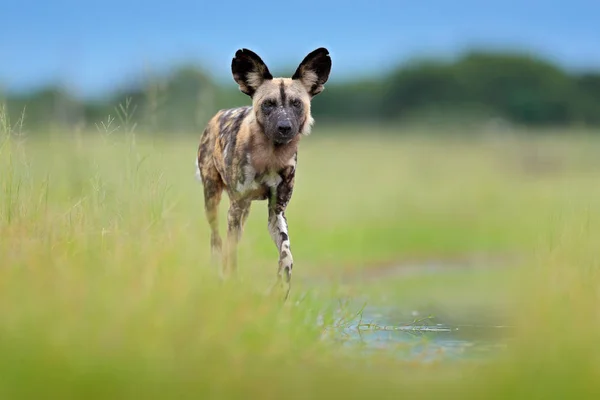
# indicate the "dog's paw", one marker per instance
pixel 280 290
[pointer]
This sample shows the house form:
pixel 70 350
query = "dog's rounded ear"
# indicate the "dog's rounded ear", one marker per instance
pixel 314 71
pixel 249 71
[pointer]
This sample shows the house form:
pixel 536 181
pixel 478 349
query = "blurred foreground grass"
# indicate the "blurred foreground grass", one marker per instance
pixel 106 292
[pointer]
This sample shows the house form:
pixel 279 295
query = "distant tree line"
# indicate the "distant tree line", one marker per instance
pixel 519 88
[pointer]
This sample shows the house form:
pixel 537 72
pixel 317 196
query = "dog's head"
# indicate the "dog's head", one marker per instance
pixel 282 105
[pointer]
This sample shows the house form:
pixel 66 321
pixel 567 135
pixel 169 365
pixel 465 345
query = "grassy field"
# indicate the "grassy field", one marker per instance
pixel 106 290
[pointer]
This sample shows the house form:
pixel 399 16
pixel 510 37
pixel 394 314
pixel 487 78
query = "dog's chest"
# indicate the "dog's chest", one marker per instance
pixel 257 185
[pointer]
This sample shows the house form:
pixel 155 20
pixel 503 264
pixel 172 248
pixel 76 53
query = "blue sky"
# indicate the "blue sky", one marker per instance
pixel 93 46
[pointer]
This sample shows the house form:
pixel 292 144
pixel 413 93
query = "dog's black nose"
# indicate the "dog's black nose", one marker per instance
pixel 284 127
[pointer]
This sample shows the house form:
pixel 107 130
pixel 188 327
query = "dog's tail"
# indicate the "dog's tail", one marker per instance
pixel 198 176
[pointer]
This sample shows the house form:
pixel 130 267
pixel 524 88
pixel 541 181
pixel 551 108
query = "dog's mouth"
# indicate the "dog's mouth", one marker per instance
pixel 282 141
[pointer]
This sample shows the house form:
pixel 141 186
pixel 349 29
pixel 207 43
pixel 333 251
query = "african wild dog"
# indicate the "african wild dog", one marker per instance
pixel 251 151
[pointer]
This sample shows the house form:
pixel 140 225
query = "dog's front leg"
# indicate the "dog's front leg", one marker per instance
pixel 278 228
pixel 238 212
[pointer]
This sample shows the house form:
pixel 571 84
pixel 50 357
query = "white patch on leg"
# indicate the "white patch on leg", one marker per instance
pixel 277 226
pixel 281 224
pixel 287 259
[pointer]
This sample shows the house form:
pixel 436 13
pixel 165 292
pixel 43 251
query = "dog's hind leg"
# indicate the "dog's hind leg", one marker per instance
pixel 236 217
pixel 213 189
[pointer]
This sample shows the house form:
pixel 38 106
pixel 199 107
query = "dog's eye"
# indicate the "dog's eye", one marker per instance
pixel 296 103
pixel 268 104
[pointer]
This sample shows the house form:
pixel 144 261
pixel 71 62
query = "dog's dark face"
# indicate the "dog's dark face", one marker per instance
pixel 282 105
pixel 281 112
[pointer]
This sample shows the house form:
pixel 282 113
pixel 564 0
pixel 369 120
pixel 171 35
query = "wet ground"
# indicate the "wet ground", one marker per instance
pixel 423 334
pixel 421 337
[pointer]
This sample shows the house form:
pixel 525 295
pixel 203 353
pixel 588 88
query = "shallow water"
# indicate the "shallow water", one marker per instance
pixel 410 335
pixel 473 333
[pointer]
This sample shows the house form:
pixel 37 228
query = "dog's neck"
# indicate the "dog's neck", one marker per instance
pixel 268 156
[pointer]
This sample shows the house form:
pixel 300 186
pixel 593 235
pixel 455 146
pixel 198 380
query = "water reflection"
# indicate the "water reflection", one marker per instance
pixel 411 336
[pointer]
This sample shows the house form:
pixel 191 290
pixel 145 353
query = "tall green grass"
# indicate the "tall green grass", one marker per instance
pixel 106 289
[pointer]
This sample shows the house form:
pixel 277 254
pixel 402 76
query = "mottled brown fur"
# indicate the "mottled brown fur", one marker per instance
pixel 251 151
